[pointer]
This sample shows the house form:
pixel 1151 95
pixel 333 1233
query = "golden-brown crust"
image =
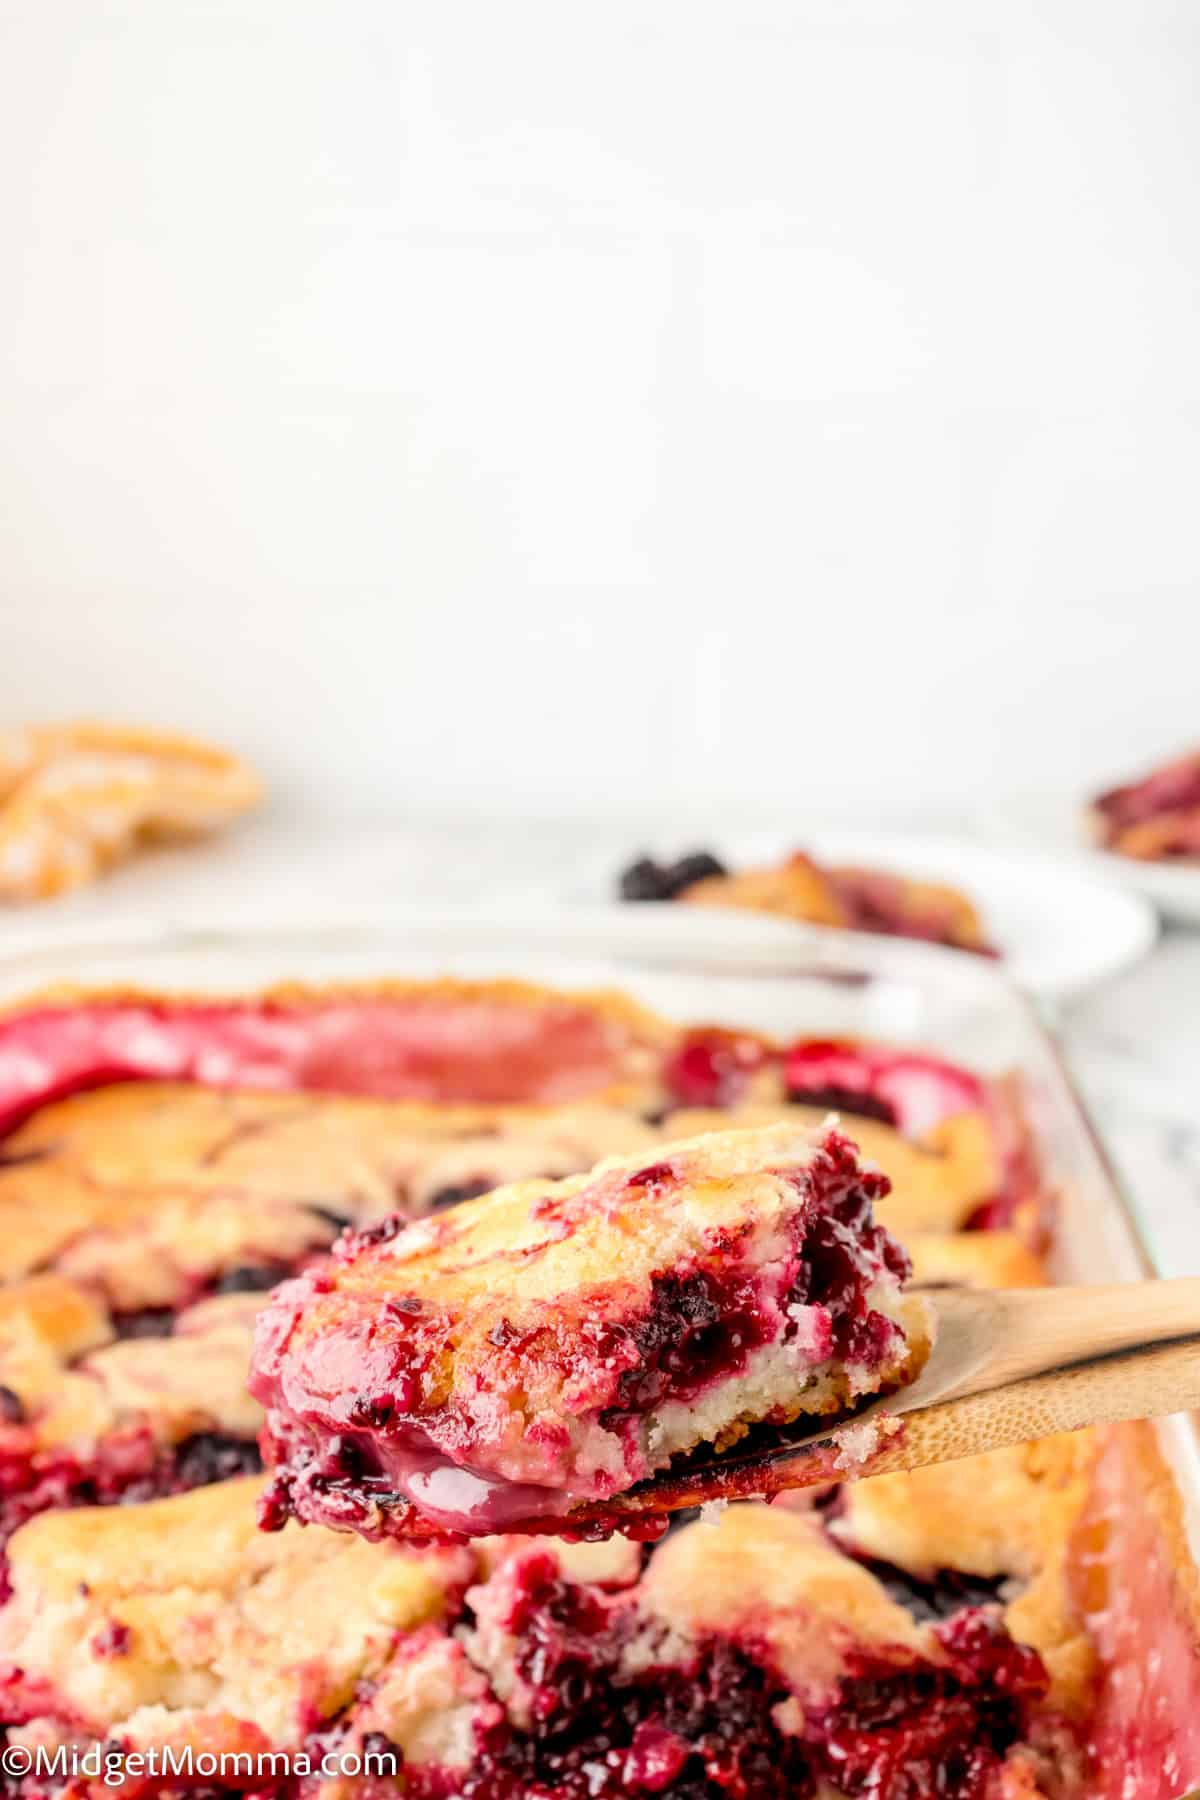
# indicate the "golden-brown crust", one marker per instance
pixel 848 897
pixel 985 1259
pixel 222 1625
pixel 537 1242
pixel 374 1156
pixel 771 1572
pixel 937 1181
pixel 76 1382
pixel 485 1320
pixel 1008 1514
pixel 956 917
pixel 151 1189
pixel 796 889
pixel 1011 1514
pixel 1154 840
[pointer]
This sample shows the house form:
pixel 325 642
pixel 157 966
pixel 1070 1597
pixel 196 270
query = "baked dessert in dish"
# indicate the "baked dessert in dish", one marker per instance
pixel 955 1147
pixel 552 1344
pixel 440 1041
pixel 74 799
pixel 752 1657
pixel 88 1417
pixel 1156 818
pixel 155 1193
pixel 799 887
pixel 1021 1626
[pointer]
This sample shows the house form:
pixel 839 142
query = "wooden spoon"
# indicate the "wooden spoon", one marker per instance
pixel 1004 1367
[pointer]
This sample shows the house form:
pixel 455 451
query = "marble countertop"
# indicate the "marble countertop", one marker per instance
pixel 1133 1044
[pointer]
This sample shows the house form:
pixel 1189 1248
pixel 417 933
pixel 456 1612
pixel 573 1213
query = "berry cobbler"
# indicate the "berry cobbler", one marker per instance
pixel 554 1343
pixel 800 887
pixel 1016 1626
pixel 1156 818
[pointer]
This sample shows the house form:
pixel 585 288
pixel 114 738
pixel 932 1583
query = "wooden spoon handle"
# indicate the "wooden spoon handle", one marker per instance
pixel 1140 1384
pixel 1005 1336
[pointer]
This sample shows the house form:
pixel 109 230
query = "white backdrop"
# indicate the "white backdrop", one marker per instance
pixel 546 407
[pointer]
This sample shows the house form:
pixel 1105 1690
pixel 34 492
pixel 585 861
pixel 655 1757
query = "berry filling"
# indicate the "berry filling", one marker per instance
pixel 712 1067
pixel 891 906
pixel 602 1716
pixel 419 1045
pixel 913 1093
pixel 1175 788
pixel 941 1595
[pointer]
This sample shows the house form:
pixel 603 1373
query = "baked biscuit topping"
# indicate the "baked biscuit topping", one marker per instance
pixel 154 1192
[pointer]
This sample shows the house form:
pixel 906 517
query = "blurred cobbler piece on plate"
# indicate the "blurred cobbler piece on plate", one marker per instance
pixel 550 1345
pixel 1156 818
pixel 799 887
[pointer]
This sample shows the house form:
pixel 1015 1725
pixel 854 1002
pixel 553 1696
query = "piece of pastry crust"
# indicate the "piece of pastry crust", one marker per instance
pixel 74 799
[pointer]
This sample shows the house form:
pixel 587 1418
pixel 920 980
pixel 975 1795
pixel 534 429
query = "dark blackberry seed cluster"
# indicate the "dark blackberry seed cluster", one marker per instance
pixel 456 1193
pixel 944 1593
pixel 251 1278
pixel 212 1456
pixel 646 879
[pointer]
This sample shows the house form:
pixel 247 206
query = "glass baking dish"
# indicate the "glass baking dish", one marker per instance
pixel 701 968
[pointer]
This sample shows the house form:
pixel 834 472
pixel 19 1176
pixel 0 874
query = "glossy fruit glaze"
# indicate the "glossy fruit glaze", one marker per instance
pixel 912 1092
pixel 414 1046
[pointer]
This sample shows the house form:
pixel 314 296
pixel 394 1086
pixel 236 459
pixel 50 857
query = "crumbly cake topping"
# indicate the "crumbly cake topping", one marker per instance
pixel 151 1192
pixel 222 1622
pixel 71 1380
pixel 936 1182
pixel 1005 1518
pixel 799 887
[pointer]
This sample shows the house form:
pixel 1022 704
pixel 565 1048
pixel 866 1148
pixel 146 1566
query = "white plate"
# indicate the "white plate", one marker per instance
pixel 1058 825
pixel 1060 929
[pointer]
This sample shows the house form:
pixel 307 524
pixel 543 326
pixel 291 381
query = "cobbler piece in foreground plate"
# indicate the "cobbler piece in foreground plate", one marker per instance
pixel 552 1344
pixel 1156 819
